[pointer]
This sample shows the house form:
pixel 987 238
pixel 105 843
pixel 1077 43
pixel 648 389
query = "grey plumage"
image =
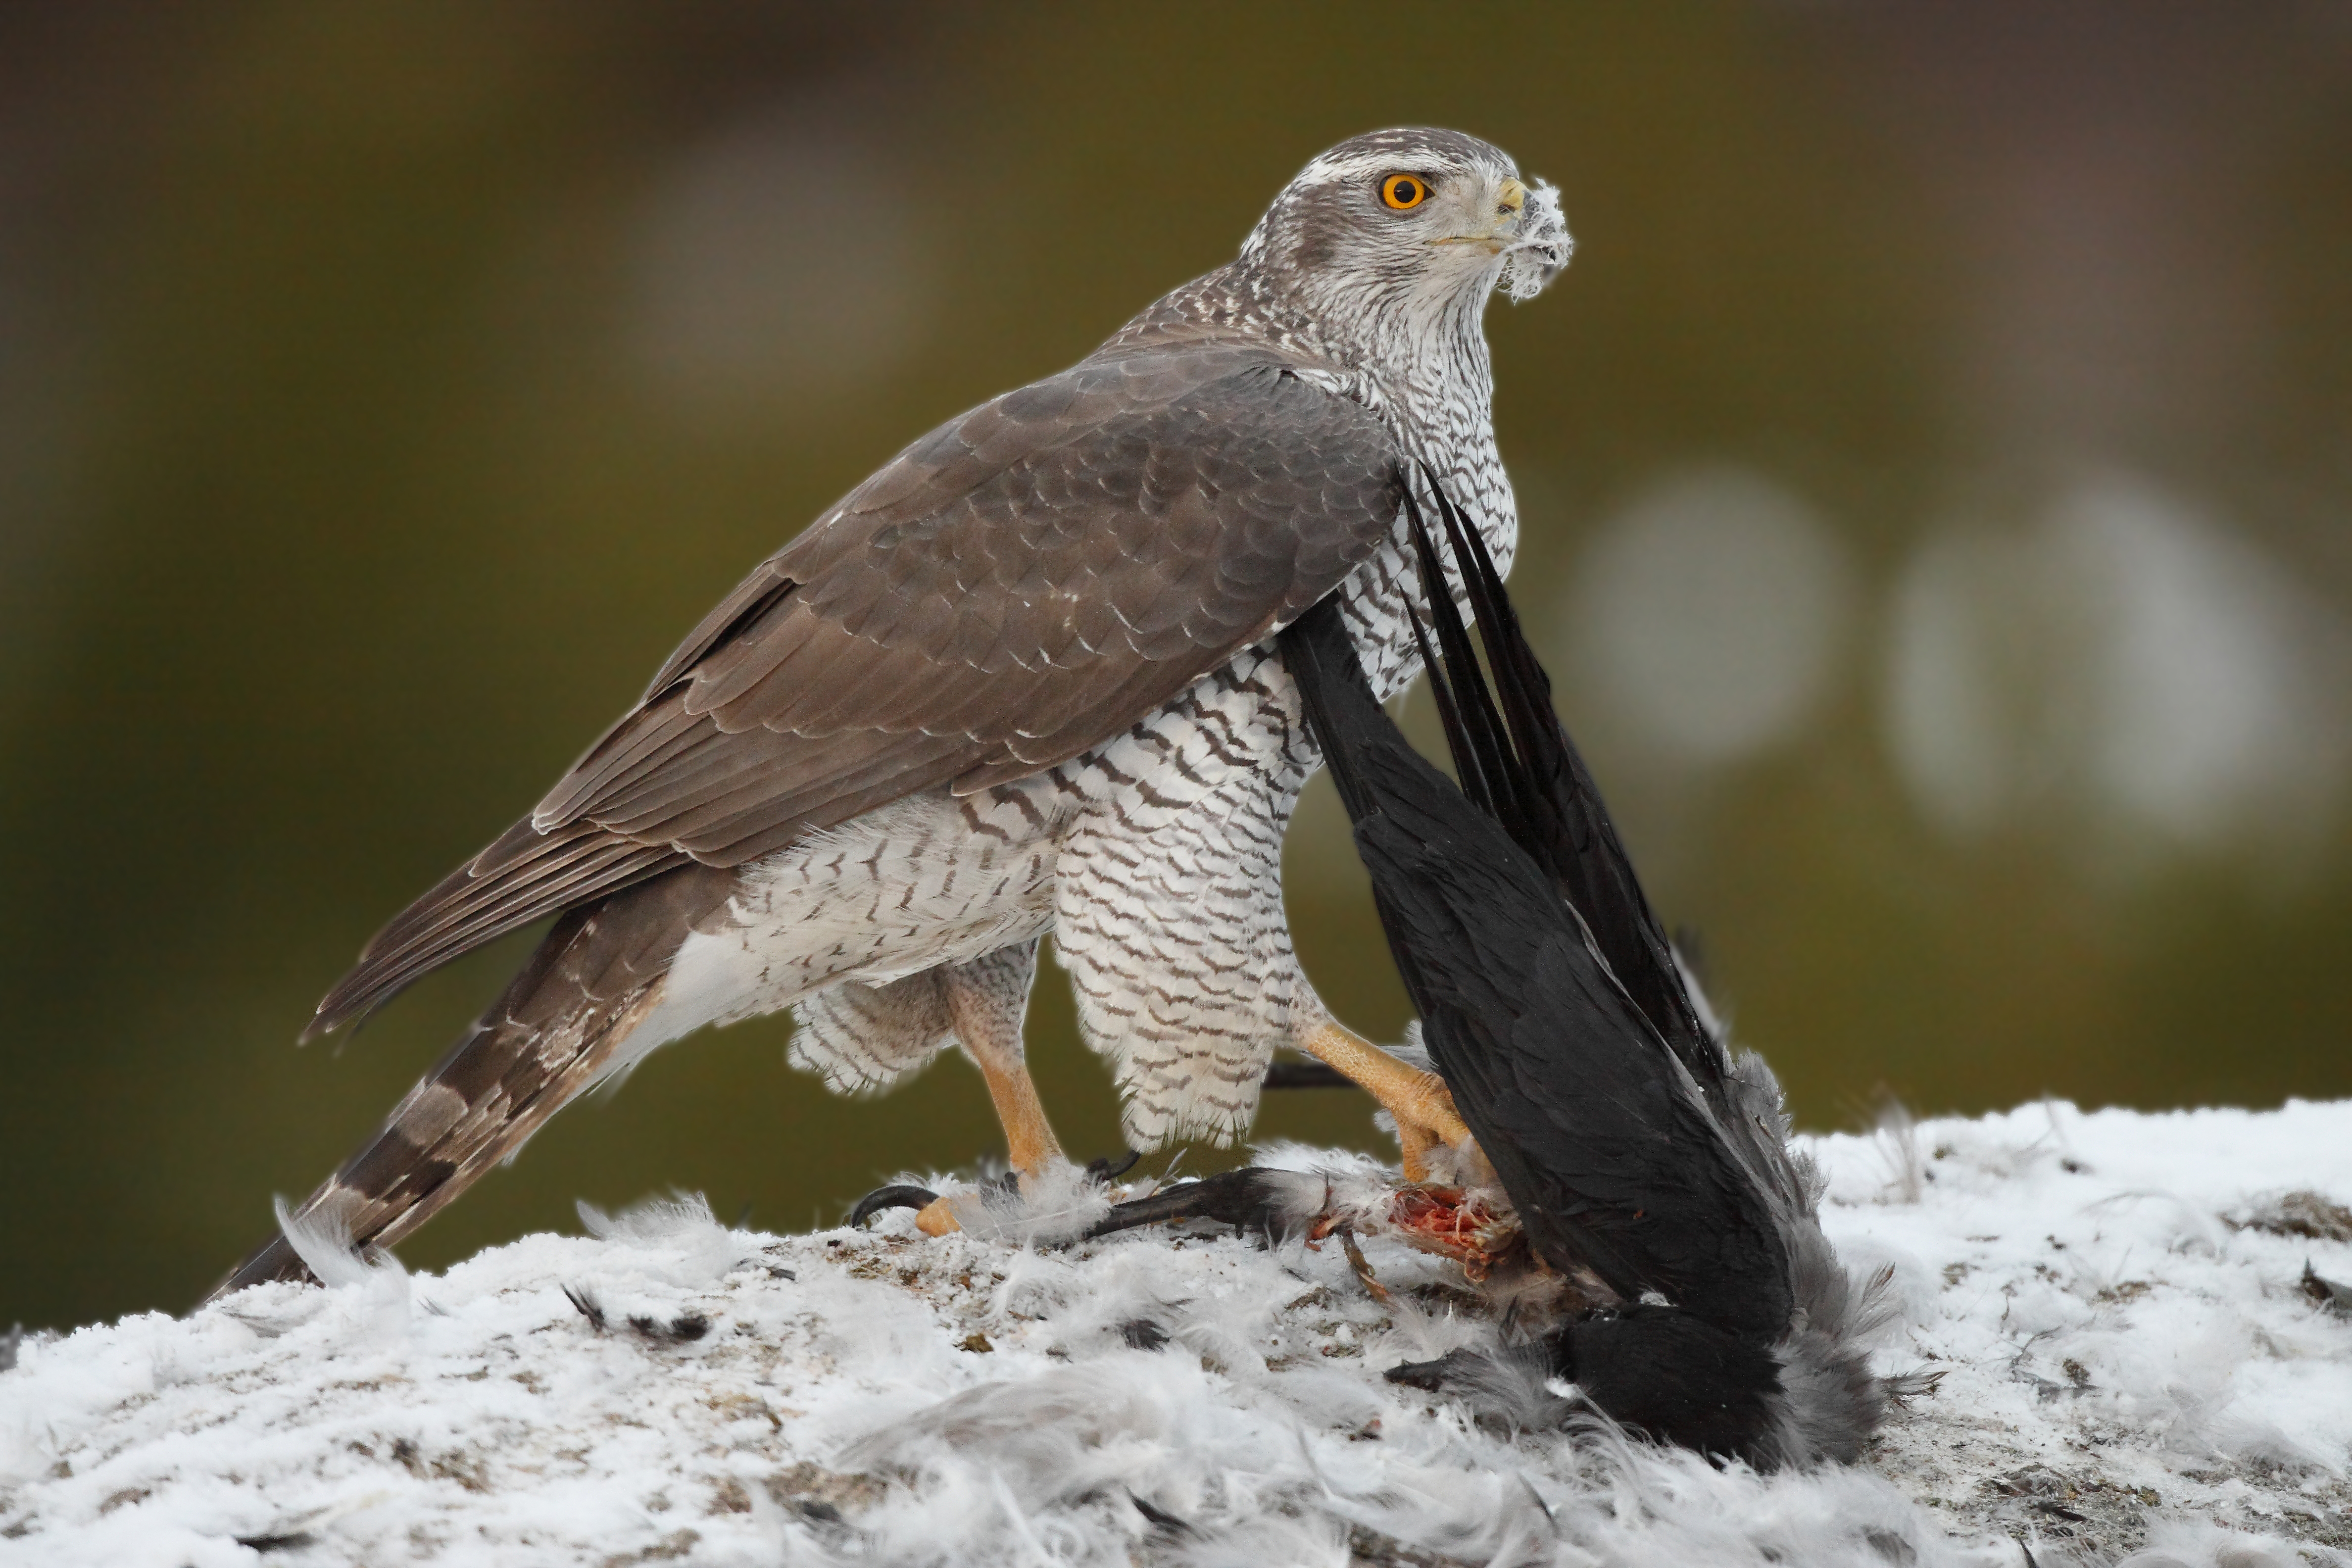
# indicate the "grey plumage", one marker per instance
pixel 872 1034
pixel 1019 680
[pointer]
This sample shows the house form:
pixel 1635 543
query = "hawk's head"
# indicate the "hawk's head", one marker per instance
pixel 1418 219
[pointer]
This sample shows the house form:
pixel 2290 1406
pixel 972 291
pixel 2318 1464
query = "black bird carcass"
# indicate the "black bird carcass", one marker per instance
pixel 1644 1172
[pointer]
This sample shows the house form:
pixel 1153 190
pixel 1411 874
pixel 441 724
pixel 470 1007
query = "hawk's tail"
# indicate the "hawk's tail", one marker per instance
pixel 553 1033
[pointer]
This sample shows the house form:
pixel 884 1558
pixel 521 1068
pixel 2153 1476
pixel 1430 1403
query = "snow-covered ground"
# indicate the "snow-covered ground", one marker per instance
pixel 2131 1360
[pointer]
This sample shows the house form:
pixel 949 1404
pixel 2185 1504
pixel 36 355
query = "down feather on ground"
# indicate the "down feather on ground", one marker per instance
pixel 2141 1356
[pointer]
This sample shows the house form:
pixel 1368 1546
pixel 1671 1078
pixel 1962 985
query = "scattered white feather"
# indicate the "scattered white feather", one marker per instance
pixel 323 1242
pixel 2129 1362
pixel 1530 264
pixel 370 1287
pixel 681 1216
pixel 1057 1205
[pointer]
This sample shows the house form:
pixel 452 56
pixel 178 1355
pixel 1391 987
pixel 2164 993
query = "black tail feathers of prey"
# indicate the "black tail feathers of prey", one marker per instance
pixel 1630 1146
pixel 1534 782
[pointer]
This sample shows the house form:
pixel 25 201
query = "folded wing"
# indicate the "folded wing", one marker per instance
pixel 1012 590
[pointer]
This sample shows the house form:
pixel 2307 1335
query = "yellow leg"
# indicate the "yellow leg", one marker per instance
pixel 1029 1139
pixel 1420 1101
pixel 987 1012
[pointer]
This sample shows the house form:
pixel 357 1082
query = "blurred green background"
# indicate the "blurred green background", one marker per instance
pixel 1933 470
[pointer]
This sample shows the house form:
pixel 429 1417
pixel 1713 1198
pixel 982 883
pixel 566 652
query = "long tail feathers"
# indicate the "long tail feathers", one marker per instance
pixel 557 1029
pixel 1533 782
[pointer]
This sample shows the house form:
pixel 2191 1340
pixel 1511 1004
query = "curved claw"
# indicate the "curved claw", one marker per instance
pixel 1306 1075
pixel 1102 1172
pixel 901 1196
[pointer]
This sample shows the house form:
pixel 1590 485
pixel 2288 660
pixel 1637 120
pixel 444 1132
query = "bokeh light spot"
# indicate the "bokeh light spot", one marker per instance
pixel 1710 612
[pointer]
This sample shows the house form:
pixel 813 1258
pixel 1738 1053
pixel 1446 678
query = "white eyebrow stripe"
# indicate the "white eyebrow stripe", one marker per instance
pixel 1363 165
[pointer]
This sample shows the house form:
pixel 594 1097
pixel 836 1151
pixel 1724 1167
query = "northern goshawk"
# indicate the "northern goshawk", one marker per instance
pixel 1023 680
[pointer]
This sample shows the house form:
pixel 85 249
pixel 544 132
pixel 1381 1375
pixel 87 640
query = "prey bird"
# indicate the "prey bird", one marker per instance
pixel 1631 1187
pixel 1021 680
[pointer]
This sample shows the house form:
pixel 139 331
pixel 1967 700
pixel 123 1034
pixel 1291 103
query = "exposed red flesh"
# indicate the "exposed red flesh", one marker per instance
pixel 1457 1224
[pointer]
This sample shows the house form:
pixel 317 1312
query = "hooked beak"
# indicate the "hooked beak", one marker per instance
pixel 1509 202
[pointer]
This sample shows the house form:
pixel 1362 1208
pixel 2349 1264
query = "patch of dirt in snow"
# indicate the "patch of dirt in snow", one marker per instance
pixel 2131 1363
pixel 2115 1302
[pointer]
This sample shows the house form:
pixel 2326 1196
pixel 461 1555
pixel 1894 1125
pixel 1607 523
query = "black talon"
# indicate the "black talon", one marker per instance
pixel 1102 1173
pixel 901 1196
pixel 1005 1182
pixel 1306 1075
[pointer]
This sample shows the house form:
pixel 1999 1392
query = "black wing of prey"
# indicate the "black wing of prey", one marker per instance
pixel 1640 1159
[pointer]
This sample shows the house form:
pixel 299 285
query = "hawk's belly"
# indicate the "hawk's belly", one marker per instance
pixel 1155 862
pixel 1168 900
pixel 924 881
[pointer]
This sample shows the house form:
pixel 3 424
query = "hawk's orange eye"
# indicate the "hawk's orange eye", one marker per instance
pixel 1403 193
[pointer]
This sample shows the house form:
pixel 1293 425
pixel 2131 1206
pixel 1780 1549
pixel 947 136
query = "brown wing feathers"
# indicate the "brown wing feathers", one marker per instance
pixel 1009 592
pixel 504 888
